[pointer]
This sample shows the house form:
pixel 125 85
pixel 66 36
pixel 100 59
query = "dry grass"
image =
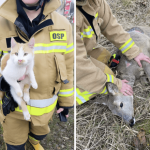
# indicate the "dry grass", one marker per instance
pixel 97 128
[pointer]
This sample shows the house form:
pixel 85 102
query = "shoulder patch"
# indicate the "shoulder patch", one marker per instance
pixel 58 36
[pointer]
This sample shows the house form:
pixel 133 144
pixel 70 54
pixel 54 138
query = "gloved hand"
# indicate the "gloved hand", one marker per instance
pixel 63 113
pixel 126 89
pixel 8 102
pixel 140 57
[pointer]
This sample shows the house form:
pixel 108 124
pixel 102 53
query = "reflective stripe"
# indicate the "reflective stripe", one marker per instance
pixel 110 78
pixel 49 48
pixel 85 96
pixel 42 103
pixel 96 16
pixel 70 48
pixel 82 35
pixel 38 111
pixel 87 33
pixel 66 93
pixel 104 91
pixel 125 47
pixel 32 138
pixel 5 52
pixel 80 99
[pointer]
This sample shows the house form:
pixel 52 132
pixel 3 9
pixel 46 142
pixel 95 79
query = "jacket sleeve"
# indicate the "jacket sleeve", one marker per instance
pixel 66 93
pixel 114 32
pixel 89 77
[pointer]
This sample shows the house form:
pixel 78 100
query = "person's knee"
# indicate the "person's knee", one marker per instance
pixel 15 147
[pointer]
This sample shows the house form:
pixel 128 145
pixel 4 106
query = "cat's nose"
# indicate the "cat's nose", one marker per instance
pixel 19 61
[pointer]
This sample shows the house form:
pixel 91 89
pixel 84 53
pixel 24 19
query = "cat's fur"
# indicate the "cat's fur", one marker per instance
pixel 20 63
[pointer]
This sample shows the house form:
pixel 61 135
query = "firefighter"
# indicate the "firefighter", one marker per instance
pixel 94 17
pixel 24 19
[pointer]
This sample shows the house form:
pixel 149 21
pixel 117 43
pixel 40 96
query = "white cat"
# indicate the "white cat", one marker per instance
pixel 19 67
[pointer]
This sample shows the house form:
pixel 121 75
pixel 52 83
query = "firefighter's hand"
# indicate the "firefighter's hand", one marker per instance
pixel 8 103
pixel 140 57
pixel 66 111
pixel 126 89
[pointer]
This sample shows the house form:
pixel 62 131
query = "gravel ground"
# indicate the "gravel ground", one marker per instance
pixel 97 128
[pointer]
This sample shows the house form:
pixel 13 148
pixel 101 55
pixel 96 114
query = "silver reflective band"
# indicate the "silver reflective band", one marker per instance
pixel 70 48
pixel 88 33
pixel 127 46
pixel 49 48
pixel 81 98
pixel 65 93
pixel 42 103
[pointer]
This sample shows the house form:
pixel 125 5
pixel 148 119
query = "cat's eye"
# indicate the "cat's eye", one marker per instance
pixel 16 54
pixel 25 54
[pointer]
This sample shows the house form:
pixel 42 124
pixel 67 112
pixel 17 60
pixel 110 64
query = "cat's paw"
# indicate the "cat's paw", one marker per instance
pixel 34 85
pixel 26 115
pixel 19 93
pixel 26 98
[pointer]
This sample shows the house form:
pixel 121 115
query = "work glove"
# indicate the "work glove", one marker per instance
pixel 63 113
pixel 8 103
pixel 126 89
pixel 140 57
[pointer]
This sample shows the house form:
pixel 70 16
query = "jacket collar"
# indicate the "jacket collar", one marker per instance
pixel 91 7
pixel 8 9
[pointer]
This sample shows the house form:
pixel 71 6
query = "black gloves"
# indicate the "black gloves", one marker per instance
pixel 62 115
pixel 8 102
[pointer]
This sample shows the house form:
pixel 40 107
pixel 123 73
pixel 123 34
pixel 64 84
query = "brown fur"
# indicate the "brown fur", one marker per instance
pixel 25 48
pixel 26 88
pixel 4 60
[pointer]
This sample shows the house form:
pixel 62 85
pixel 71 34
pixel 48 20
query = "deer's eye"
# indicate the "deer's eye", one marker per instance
pixel 25 54
pixel 16 54
pixel 121 105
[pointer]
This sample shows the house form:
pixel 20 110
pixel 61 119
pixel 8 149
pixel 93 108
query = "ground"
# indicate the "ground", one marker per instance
pixel 61 136
pixel 97 128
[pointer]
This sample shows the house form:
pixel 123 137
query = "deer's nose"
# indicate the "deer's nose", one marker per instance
pixel 132 122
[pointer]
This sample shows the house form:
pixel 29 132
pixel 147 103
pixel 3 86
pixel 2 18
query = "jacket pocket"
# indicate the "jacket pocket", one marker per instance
pixel 61 68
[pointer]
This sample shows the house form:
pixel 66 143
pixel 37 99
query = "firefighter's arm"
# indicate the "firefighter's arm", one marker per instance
pixel 114 32
pixel 89 77
pixel 66 93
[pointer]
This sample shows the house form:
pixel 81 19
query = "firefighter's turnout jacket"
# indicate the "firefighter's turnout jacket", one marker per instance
pixel 90 72
pixel 53 59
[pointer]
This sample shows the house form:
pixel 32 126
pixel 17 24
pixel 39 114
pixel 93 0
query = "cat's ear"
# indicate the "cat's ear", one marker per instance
pixel 31 43
pixel 13 42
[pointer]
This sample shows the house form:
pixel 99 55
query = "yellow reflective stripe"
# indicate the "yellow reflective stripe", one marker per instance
pixel 79 101
pixel 32 138
pixel 104 91
pixel 5 52
pixel 110 78
pixel 96 15
pixel 114 55
pixel 128 48
pixel 83 97
pixel 66 93
pixel 70 48
pixel 125 47
pixel 88 33
pixel 81 35
pixel 38 111
pixel 50 51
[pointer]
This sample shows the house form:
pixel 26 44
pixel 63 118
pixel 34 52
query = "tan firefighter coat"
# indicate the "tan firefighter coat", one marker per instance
pixel 90 72
pixel 53 59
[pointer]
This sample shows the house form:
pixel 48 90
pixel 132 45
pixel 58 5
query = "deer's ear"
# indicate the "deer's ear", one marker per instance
pixel 112 88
